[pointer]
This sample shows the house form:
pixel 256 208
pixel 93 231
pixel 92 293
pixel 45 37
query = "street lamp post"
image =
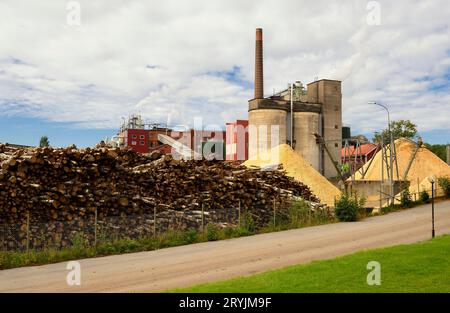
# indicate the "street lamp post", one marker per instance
pixel 391 157
pixel 432 181
pixel 292 116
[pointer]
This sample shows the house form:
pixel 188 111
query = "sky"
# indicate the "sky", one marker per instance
pixel 72 70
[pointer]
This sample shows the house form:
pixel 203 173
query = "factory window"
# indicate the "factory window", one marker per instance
pixel 134 136
pixel 142 142
pixel 133 143
pixel 142 136
pixel 336 127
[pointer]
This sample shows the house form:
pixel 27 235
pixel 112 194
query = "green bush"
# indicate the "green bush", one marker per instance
pixel 106 248
pixel 249 224
pixel 406 199
pixel 347 207
pixel 190 236
pixel 212 232
pixel 424 197
pixel 444 182
pixel 78 241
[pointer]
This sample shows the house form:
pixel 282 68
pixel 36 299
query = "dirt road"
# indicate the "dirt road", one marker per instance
pixel 204 262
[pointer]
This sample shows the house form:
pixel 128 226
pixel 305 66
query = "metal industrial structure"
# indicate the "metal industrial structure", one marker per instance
pixel 447 150
pixel 294 115
pixel 145 138
pixel 355 154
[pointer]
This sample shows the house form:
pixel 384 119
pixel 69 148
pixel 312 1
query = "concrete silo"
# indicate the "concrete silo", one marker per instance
pixel 306 124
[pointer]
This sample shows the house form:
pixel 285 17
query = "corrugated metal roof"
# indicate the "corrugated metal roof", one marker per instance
pixel 362 150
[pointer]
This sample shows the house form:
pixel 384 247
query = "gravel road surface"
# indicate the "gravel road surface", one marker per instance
pixel 205 262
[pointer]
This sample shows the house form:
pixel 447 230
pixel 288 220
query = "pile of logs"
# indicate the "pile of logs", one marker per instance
pixel 71 185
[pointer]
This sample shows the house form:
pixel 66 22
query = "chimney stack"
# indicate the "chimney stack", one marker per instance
pixel 259 81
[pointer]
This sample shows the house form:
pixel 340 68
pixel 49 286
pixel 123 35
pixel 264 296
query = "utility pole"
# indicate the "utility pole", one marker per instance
pixel 392 150
pixel 382 171
pixel 391 160
pixel 292 116
pixel 448 154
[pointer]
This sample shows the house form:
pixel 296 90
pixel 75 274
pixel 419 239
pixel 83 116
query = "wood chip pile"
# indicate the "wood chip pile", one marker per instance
pixel 299 169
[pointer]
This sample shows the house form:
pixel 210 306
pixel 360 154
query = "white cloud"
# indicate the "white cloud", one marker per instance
pixel 157 58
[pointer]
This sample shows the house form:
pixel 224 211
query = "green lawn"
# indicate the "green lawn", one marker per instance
pixel 420 267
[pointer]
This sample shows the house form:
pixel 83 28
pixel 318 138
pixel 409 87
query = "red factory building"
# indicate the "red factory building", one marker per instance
pixel 357 156
pixel 143 138
pixel 237 140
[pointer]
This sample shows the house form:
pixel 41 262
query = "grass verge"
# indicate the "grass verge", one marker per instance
pixel 420 267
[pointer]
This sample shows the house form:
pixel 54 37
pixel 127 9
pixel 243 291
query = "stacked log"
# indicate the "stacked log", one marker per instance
pixel 73 186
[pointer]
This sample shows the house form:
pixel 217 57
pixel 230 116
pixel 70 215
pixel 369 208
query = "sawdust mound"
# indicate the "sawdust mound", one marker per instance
pixel 300 169
pixel 425 164
pixel 426 185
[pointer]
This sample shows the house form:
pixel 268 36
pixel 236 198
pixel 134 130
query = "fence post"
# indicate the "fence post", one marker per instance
pixel 274 214
pixel 28 231
pixel 154 222
pixel 418 185
pixel 381 200
pixel 239 213
pixel 203 219
pixel 95 228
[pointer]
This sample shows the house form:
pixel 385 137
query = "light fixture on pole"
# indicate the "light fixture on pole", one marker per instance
pixel 391 156
pixel 432 180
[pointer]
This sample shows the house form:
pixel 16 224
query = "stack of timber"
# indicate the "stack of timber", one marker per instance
pixel 74 186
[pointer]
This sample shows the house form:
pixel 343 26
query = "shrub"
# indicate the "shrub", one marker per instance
pixel 444 182
pixel 406 199
pixel 347 207
pixel 212 232
pixel 228 232
pixel 78 241
pixel 106 248
pixel 424 197
pixel 249 224
pixel 190 236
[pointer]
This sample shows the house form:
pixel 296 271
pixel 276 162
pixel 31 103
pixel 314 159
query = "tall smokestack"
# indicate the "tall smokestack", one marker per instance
pixel 259 80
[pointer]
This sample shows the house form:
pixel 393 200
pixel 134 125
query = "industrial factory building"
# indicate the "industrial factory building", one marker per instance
pixel 309 120
pixel 145 138
pixel 237 140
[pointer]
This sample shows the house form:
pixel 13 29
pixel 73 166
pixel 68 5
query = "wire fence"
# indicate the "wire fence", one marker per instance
pixel 32 234
pixel 94 228
pixel 384 199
